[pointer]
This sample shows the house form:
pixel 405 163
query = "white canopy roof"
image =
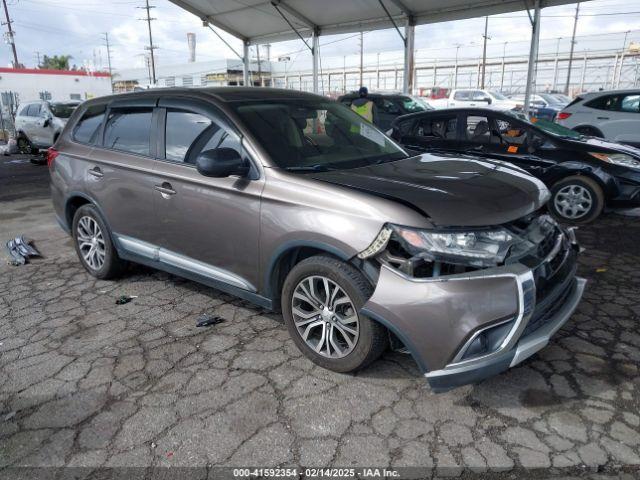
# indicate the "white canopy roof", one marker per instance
pixel 259 21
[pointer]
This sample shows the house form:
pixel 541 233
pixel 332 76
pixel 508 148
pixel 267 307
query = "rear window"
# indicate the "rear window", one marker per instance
pixel 62 110
pixel 129 130
pixel 23 111
pixel 575 100
pixel 462 95
pixel 87 129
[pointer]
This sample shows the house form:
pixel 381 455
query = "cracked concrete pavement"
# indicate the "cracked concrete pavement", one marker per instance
pixel 85 382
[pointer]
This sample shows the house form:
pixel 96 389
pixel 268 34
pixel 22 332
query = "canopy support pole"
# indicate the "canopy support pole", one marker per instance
pixel 245 64
pixel 409 56
pixel 315 52
pixel 533 55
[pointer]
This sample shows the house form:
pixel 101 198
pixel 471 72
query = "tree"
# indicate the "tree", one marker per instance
pixel 57 62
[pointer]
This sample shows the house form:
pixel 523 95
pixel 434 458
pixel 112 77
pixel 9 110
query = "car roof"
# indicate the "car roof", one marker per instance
pixel 609 92
pixel 222 94
pixel 374 95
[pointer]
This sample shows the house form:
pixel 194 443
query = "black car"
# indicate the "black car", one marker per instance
pixel 584 174
pixel 389 106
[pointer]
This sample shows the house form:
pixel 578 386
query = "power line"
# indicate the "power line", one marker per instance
pixel 106 41
pixel 9 35
pixel 148 8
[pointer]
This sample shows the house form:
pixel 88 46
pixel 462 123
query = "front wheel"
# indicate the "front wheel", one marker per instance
pixel 576 199
pixel 321 299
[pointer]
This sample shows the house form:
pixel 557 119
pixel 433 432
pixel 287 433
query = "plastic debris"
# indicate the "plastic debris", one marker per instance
pixel 122 299
pixel 601 270
pixel 20 249
pixel 205 320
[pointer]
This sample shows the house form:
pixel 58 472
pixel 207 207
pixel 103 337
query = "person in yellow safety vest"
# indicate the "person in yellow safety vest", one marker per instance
pixel 365 107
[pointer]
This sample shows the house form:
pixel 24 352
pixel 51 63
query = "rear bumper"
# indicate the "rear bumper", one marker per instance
pixel 455 375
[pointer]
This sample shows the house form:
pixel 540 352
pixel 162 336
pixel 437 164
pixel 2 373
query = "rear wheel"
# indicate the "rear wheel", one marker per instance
pixel 93 244
pixel 589 131
pixel 576 199
pixel 321 299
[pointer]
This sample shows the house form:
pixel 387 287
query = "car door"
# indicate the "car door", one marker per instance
pixel 623 124
pixel 515 142
pixel 207 225
pixel 119 172
pixel 461 98
pixel 34 125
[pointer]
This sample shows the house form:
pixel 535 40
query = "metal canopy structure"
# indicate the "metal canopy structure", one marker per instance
pixel 267 21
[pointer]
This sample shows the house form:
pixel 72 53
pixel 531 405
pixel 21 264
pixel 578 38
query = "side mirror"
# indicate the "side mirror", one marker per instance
pixel 221 162
pixel 488 100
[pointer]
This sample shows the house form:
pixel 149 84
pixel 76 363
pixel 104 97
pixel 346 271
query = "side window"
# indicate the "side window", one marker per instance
pixel 478 129
pixel 462 95
pixel 607 102
pixel 387 106
pixel 478 95
pixel 129 130
pixel 87 129
pixel 23 111
pixel 440 128
pixel 630 103
pixel 33 110
pixel 511 134
pixel 181 131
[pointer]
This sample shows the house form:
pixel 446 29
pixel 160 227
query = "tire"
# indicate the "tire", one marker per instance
pixel 371 339
pixel 24 145
pixel 105 266
pixel 570 190
pixel 589 131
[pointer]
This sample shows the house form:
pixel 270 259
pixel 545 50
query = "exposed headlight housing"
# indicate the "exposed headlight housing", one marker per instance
pixel 621 159
pixel 480 248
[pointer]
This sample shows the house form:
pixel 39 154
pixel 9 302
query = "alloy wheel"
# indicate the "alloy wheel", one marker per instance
pixel 325 317
pixel 573 201
pixel 91 242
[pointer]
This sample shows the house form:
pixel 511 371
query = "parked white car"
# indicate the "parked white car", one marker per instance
pixel 39 123
pixel 465 98
pixel 614 115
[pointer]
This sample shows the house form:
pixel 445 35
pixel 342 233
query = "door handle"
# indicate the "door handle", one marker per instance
pixel 96 172
pixel 602 118
pixel 166 190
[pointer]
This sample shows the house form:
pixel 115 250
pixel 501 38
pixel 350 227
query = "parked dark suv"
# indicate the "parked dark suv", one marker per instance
pixel 293 201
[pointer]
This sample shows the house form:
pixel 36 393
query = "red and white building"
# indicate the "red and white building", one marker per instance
pixel 57 85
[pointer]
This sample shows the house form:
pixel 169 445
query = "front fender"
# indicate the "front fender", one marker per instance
pixel 607 181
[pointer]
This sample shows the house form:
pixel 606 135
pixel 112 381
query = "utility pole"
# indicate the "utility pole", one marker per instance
pixel 106 42
pixel 573 44
pixel 148 8
pixel 555 66
pixel 484 51
pixel 361 60
pixel 10 35
pixel 37 59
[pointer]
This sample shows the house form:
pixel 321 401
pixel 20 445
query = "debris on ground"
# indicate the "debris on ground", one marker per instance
pixel 205 320
pixel 601 270
pixel 122 299
pixel 20 249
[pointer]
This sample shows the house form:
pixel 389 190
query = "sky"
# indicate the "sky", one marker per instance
pixel 77 27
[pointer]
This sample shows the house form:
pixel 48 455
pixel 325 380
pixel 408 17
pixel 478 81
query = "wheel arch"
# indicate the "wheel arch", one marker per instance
pixel 288 256
pixel 591 127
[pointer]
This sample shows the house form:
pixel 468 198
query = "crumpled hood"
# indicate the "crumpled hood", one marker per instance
pixel 452 190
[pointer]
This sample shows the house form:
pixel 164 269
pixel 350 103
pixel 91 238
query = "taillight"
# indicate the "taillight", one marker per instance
pixel 562 115
pixel 52 153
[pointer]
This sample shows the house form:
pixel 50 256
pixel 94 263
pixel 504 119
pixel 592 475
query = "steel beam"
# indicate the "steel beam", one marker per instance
pixel 409 56
pixel 533 56
pixel 245 64
pixel 315 52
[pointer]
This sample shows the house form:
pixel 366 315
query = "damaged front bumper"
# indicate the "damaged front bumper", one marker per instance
pixel 464 328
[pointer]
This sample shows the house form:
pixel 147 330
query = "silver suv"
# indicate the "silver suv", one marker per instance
pixel 39 123
pixel 296 203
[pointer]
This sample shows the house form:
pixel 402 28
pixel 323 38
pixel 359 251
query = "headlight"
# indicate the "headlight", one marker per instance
pixel 481 248
pixel 618 159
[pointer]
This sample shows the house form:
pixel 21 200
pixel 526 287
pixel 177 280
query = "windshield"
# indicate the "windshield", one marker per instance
pixel 551 99
pixel 557 130
pixel 497 95
pixel 422 103
pixel 309 134
pixel 62 110
pixel 411 105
